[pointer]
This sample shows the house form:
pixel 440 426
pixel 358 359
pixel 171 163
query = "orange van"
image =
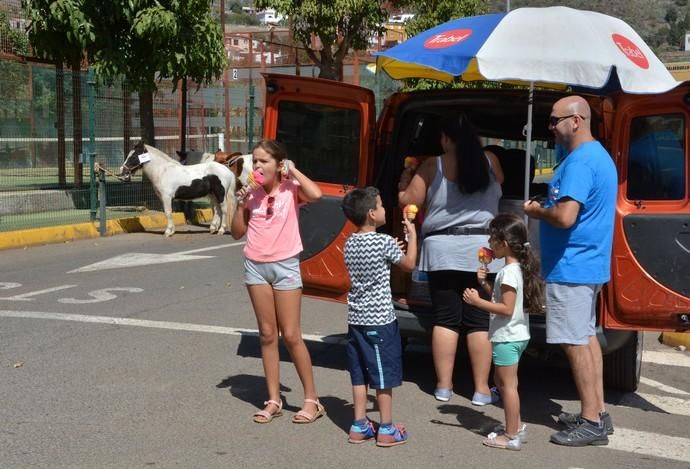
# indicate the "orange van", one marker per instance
pixel 331 130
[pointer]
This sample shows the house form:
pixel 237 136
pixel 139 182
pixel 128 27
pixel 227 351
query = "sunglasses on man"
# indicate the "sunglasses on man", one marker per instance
pixel 555 120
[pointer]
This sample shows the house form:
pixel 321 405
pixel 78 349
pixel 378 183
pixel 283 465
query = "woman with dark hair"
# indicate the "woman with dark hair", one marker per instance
pixel 460 192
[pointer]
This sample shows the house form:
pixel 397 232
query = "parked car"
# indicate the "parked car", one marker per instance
pixel 331 131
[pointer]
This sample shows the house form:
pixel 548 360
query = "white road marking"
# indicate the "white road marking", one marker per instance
pixel 675 358
pixel 26 296
pixel 177 326
pixel 136 259
pixel 650 444
pixel 98 296
pixel 212 248
pixel 655 403
pixel 663 387
pixel 9 285
pixel 624 439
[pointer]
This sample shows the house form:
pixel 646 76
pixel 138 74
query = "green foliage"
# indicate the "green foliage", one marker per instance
pixel 18 41
pixel 340 24
pixel 241 18
pixel 136 39
pixel 59 29
pixel 143 39
pixel 14 86
pixel 430 13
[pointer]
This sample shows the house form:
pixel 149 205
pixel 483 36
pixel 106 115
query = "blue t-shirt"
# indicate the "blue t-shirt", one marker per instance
pixel 582 253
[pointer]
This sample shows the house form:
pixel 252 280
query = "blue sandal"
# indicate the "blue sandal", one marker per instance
pixel 398 436
pixel 361 435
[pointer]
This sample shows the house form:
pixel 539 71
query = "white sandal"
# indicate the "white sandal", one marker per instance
pixel 307 417
pixel 264 416
pixel 513 443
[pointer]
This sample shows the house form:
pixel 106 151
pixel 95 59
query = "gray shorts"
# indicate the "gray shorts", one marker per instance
pixel 571 312
pixel 281 275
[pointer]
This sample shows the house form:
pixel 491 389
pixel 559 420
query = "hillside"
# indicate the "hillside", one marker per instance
pixel 661 23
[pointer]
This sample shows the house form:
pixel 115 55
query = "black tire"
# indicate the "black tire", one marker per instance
pixel 623 368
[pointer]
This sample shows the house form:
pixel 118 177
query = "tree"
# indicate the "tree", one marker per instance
pixel 142 41
pixel 59 30
pixel 671 15
pixel 146 41
pixel 430 13
pixel 336 26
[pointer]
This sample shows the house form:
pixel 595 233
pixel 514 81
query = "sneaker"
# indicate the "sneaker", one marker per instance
pixel 391 435
pixel 584 434
pixel 362 434
pixel 443 394
pixel 486 399
pixel 571 420
pixel 522 432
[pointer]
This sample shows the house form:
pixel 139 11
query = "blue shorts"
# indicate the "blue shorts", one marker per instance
pixel 374 355
pixel 281 275
pixel 508 353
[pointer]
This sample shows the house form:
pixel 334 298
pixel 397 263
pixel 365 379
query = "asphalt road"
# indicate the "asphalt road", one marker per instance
pixel 137 351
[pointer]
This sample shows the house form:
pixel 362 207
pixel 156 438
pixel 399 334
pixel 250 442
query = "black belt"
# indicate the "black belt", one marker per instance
pixel 459 230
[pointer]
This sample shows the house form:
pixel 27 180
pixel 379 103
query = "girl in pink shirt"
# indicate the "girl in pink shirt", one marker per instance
pixel 268 215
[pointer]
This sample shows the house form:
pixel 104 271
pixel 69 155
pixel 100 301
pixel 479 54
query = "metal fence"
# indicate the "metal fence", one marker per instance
pixel 45 177
pixel 46 121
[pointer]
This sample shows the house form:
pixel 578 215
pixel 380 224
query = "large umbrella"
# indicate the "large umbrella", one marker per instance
pixel 553 47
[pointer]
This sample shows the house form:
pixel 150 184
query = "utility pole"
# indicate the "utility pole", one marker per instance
pixel 226 84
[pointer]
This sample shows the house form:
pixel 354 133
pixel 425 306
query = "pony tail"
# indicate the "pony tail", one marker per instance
pixel 533 296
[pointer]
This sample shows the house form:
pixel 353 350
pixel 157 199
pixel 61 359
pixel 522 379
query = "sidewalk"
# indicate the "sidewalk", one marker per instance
pixel 63 233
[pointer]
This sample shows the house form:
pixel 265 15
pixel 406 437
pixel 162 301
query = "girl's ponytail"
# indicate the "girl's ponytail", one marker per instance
pixel 533 284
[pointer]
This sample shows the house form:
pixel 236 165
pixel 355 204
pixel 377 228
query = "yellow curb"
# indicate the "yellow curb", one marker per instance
pixel 203 215
pixel 63 233
pixel 674 339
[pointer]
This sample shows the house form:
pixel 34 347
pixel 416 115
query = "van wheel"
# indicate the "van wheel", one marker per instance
pixel 622 368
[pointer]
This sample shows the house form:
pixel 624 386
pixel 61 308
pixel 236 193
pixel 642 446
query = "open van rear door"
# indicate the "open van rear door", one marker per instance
pixel 650 282
pixel 328 129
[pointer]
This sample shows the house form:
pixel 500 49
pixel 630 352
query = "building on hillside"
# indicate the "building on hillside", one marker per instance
pixel 256 44
pixel 269 16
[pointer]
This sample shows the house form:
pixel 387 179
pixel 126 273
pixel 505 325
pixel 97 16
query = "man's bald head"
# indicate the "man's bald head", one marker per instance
pixel 575 105
pixel 576 129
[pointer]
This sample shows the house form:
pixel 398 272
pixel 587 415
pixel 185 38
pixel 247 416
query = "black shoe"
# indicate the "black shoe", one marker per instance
pixel 584 434
pixel 572 420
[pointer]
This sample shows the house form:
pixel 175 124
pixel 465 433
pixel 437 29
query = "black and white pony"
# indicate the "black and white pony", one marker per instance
pixel 171 180
pixel 238 163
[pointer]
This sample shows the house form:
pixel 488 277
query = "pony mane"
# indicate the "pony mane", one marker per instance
pixel 163 155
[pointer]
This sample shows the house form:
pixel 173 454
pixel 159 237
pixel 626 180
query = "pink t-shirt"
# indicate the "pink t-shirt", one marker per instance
pixel 273 237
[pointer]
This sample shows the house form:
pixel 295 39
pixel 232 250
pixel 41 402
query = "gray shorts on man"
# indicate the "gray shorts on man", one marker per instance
pixel 571 311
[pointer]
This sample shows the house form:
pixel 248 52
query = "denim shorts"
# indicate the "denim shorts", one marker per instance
pixel 281 275
pixel 571 312
pixel 374 355
pixel 508 353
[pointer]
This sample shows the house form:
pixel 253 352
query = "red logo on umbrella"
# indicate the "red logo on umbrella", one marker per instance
pixel 631 51
pixel 447 39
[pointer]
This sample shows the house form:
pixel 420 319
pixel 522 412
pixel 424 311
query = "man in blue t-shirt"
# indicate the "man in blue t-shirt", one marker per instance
pixel 576 232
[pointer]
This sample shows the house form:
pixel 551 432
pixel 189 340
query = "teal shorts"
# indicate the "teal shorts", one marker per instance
pixel 508 353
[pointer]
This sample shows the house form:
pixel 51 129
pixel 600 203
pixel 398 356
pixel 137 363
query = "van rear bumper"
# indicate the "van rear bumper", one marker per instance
pixel 415 323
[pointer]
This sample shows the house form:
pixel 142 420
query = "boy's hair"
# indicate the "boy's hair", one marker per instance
pixel 358 202
pixel 511 229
